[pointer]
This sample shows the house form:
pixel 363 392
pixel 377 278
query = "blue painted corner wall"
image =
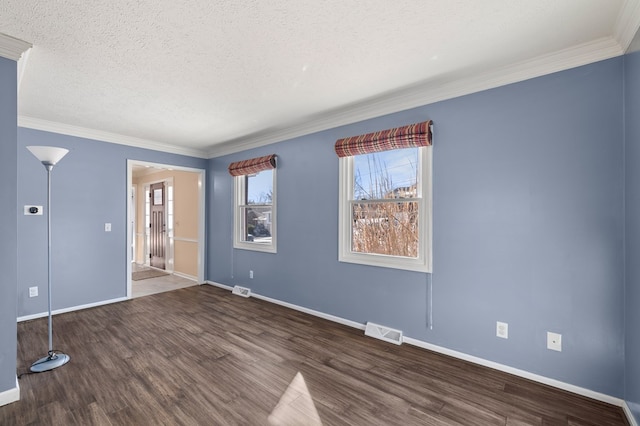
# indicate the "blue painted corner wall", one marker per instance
pixel 527 228
pixel 8 220
pixel 88 189
pixel 632 232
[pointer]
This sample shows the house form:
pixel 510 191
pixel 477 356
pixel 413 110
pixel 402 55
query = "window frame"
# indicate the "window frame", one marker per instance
pixel 239 183
pixel 422 263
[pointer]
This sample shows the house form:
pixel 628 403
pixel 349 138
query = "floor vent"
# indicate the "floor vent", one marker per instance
pixel 241 291
pixel 383 333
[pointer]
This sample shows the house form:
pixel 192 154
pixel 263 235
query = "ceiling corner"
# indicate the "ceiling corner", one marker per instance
pixel 12 48
pixel 627 23
pixel 22 66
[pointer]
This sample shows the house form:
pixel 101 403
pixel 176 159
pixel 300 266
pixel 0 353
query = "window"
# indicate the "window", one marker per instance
pixel 255 211
pixel 385 208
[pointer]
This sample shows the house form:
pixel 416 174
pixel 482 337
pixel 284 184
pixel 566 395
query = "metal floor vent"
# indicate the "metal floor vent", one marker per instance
pixel 241 291
pixel 383 333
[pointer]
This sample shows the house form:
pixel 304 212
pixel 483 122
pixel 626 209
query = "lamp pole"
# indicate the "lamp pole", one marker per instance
pixel 49 157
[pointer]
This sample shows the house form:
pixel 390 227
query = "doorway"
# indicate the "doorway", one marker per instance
pixel 167 221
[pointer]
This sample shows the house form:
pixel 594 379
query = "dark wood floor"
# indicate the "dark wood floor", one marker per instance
pixel 200 356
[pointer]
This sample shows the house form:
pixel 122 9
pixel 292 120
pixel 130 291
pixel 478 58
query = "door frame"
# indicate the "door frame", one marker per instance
pixel 133 200
pixel 201 214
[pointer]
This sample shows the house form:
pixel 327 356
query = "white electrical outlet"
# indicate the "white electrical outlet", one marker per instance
pixel 251 274
pixel 502 329
pixel 33 291
pixel 554 341
pixel 107 227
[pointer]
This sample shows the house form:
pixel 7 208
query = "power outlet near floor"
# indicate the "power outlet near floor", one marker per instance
pixel 33 291
pixel 502 329
pixel 250 274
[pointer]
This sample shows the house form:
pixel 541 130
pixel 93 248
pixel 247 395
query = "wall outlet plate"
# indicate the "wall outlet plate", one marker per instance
pixel 502 329
pixel 554 341
pixel 33 291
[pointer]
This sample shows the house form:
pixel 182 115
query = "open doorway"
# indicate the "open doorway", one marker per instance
pixel 165 215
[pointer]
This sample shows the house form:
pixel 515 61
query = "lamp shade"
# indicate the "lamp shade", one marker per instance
pixel 48 155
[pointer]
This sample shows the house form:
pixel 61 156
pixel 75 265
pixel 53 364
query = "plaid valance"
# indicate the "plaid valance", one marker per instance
pixel 414 135
pixel 253 165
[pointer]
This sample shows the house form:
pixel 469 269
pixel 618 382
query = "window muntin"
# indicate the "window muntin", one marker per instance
pixel 255 224
pixel 385 209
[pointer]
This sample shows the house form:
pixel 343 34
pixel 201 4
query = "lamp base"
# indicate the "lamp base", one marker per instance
pixel 49 362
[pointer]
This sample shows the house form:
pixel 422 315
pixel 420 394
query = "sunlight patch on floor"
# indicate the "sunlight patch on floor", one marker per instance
pixel 296 406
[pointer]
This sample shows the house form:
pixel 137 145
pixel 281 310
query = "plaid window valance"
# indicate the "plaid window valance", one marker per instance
pixel 253 165
pixel 414 135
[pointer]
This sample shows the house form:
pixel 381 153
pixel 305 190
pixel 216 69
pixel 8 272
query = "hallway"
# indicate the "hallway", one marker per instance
pixel 158 284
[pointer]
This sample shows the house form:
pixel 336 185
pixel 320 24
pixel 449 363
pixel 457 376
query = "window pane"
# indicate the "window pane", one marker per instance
pixel 257 224
pixel 387 174
pixel 157 197
pixel 260 188
pixel 389 228
pixel 147 208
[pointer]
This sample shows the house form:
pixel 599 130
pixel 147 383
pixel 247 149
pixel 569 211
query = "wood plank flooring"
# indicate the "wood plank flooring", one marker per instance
pixel 201 356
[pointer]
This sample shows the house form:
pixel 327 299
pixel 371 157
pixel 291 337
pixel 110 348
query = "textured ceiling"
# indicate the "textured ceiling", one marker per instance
pixel 208 77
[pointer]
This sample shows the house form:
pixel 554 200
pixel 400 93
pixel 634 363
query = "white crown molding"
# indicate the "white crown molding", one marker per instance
pixel 83 132
pixel 429 92
pixel 627 23
pixel 12 48
pixel 22 66
pixel 413 96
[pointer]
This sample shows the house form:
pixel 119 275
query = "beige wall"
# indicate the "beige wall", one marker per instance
pixel 186 257
pixel 185 222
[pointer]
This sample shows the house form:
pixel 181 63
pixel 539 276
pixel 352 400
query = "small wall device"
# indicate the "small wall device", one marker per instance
pixel 33 210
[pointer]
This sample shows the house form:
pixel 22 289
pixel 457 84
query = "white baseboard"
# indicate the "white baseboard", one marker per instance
pixel 460 355
pixel 222 286
pixel 517 372
pixel 185 276
pixel 71 309
pixel 630 417
pixel 11 395
pixel 329 317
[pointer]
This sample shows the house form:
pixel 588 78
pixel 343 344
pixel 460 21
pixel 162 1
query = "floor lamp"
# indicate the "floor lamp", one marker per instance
pixel 49 157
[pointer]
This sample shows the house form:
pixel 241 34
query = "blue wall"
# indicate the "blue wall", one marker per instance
pixel 528 227
pixel 8 218
pixel 632 231
pixel 527 223
pixel 89 189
